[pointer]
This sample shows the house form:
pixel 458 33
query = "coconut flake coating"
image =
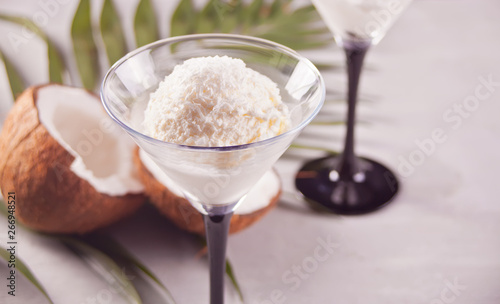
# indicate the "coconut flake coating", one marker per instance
pixel 213 102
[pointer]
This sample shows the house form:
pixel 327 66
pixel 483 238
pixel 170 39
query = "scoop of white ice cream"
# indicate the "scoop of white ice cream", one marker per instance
pixel 213 102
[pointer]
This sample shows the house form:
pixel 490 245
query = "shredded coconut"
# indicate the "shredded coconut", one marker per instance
pixel 213 102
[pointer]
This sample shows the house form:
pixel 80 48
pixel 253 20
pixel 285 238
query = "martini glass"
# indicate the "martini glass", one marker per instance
pixel 213 179
pixel 345 183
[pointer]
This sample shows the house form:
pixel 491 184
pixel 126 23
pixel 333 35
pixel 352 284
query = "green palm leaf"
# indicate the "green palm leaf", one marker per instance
pixel 22 268
pixel 104 266
pixel 56 64
pixel 250 15
pixel 278 7
pixel 184 19
pixel 112 33
pixel 209 18
pixel 301 28
pixel 84 47
pixel 127 261
pixel 124 272
pixel 145 25
pixel 229 14
pixel 232 277
pixel 17 84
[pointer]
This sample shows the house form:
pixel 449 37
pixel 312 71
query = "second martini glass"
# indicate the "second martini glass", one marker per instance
pixel 347 184
pixel 213 179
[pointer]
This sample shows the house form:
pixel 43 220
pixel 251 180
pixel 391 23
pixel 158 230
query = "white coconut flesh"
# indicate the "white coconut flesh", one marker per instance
pixel 103 152
pixel 259 197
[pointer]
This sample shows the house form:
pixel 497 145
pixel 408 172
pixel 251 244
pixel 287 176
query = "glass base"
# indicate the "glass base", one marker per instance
pixel 370 188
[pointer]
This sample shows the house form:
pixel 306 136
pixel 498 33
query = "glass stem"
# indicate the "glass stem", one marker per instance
pixel 355 54
pixel 217 231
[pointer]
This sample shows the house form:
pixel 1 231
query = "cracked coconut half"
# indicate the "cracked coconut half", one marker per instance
pixel 70 167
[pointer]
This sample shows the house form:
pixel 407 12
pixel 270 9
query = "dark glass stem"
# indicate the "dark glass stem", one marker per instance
pixel 217 231
pixel 347 184
pixel 355 54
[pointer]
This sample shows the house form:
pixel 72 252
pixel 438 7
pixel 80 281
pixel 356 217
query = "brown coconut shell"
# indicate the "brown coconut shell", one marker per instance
pixel 49 196
pixel 178 210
